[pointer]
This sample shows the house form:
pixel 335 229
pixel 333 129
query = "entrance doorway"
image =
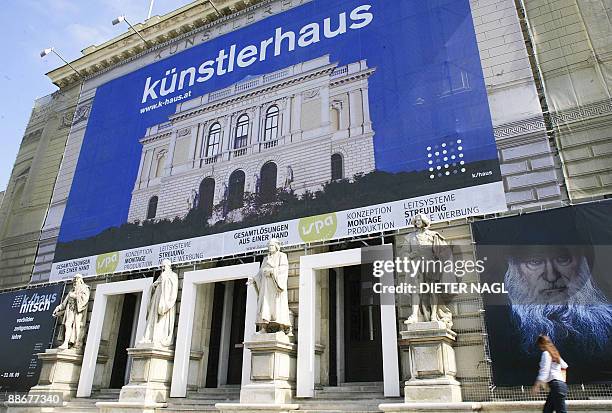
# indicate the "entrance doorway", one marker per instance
pixel 355 327
pixel 125 340
pixel 227 332
pixel 362 334
pixel 234 368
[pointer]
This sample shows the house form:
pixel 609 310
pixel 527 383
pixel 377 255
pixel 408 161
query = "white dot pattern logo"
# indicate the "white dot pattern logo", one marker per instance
pixel 439 154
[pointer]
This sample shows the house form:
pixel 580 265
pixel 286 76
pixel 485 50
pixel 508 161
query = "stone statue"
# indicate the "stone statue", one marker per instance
pixel 159 329
pixel 288 178
pixel 74 312
pixel 430 248
pixel 271 286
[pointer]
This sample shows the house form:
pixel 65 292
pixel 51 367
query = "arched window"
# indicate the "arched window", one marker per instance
pixel 242 132
pixel 271 125
pixel 206 196
pixel 235 195
pixel 267 189
pixel 161 164
pixel 152 209
pixel 337 169
pixel 214 140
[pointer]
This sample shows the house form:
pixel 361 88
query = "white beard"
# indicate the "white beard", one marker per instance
pixel 586 317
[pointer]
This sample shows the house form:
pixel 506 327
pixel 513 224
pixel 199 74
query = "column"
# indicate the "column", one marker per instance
pixel 325 107
pixel 227 133
pixel 168 167
pixel 286 126
pixel 195 129
pixel 296 117
pixel 355 127
pixel 256 122
pixel 151 161
pixel 140 168
pixel 365 101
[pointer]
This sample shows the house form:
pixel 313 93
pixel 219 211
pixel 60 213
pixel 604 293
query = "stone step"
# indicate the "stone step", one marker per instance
pixel 220 390
pixel 346 405
pixel 349 390
pixel 186 409
pixel 362 383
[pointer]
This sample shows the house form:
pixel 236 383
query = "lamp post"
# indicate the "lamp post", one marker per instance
pixel 120 19
pixel 49 50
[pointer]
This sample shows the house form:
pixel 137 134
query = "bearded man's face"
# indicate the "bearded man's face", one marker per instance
pixel 549 276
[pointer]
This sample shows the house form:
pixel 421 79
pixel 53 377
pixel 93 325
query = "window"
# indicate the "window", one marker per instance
pixel 206 196
pixel 242 132
pixel 214 140
pixel 267 189
pixel 336 167
pixel 235 196
pixel 271 125
pixel 152 209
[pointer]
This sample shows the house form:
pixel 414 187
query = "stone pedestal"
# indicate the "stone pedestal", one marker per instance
pixel 59 372
pixel 273 371
pixel 149 385
pixel 431 362
pixel 59 375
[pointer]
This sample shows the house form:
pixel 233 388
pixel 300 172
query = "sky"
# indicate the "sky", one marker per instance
pixel 69 26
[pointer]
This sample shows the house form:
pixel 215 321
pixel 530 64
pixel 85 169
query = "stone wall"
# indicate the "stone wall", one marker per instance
pixel 529 164
pixel 571 40
pixel 31 184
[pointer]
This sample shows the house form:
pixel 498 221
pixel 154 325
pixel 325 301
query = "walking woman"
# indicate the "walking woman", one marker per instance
pixel 552 372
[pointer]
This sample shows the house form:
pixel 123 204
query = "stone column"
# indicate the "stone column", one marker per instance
pixel 169 159
pixel 432 363
pixel 226 137
pixel 256 123
pixel 365 101
pixel 355 127
pixel 59 373
pixel 192 144
pixel 273 371
pixel 140 168
pixel 325 108
pixel 286 126
pixel 149 385
pixel 296 117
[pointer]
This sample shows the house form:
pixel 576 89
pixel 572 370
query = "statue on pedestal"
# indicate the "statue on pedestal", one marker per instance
pixel 159 329
pixel 271 286
pixel 430 248
pixel 74 312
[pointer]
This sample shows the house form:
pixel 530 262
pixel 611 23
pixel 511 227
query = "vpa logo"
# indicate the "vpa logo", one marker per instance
pixel 107 263
pixel 318 228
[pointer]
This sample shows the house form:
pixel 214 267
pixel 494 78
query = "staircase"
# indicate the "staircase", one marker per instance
pixel 203 400
pixel 363 397
pixel 82 405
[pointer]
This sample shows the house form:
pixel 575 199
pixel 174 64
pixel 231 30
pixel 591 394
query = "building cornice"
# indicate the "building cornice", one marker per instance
pixel 159 31
pixel 261 90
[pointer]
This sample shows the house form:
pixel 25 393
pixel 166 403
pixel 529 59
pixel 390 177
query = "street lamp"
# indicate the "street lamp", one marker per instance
pixel 214 7
pixel 121 19
pixel 49 50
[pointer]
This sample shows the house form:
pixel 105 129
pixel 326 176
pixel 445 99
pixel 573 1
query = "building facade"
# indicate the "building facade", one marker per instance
pixel 553 147
pixel 252 137
pixel 31 184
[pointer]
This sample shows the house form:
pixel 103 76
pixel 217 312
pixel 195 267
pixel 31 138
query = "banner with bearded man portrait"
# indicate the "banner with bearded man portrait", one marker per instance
pixel 555 266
